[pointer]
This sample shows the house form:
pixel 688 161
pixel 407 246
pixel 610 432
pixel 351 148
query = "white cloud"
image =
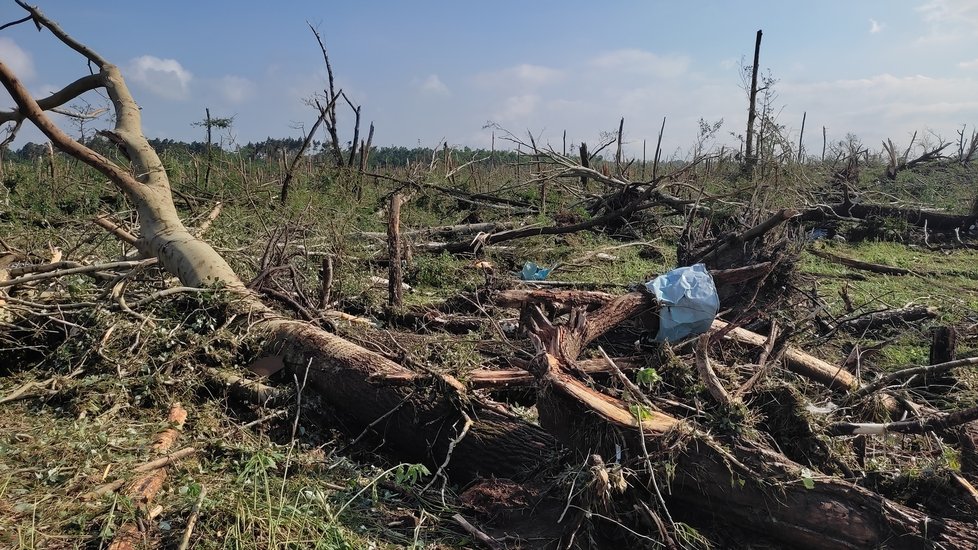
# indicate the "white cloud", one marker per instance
pixel 949 20
pixel 942 11
pixel 524 76
pixel 164 77
pixel 518 108
pixel 432 85
pixel 875 26
pixel 642 62
pixel 730 63
pixel 885 105
pixel 19 61
pixel 973 64
pixel 235 89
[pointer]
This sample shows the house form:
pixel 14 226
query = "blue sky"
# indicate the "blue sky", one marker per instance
pixel 427 71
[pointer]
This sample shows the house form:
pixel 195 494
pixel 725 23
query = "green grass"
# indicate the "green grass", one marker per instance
pixel 260 494
pixel 948 282
pixel 265 491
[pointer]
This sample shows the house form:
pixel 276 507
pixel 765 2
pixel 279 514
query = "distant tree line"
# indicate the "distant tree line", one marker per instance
pixel 274 148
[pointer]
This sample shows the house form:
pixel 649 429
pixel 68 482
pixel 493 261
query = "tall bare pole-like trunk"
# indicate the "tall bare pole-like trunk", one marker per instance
pixel 658 151
pixel 750 156
pixel 207 148
pixel 365 149
pixel 824 142
pixel 801 136
pixel 395 279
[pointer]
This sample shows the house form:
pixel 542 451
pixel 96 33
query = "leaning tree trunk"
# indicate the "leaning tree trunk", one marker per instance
pixel 432 418
pixel 422 418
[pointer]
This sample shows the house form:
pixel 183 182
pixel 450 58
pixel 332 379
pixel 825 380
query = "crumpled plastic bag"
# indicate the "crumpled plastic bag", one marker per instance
pixel 532 272
pixel 688 302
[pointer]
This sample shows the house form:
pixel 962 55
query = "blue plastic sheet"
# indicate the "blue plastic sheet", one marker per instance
pixel 532 272
pixel 688 302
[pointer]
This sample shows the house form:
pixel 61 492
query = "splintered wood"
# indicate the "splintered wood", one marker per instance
pixel 144 488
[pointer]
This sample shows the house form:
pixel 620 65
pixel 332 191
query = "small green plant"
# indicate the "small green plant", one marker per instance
pixel 410 475
pixel 640 412
pixel 648 377
pixel 807 478
pixel 688 537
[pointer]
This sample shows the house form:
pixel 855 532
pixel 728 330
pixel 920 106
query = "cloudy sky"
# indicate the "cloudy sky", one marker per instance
pixel 432 70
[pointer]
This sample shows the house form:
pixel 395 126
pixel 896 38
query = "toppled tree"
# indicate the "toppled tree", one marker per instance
pixel 897 163
pixel 433 418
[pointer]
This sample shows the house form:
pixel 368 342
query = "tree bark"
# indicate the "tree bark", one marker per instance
pixel 352 379
pixel 934 220
pixel 395 290
pixel 738 482
pixel 750 157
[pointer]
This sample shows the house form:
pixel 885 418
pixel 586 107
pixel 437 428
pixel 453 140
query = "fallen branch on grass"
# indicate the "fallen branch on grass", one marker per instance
pixel 916 426
pixel 707 375
pixel 192 520
pixel 905 374
pixel 857 264
pixel 61 269
pixel 144 488
pixel 878 319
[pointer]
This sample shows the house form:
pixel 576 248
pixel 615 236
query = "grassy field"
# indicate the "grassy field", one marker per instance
pixel 86 387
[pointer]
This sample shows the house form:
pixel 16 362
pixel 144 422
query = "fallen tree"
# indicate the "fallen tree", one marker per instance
pixel 934 220
pixel 431 417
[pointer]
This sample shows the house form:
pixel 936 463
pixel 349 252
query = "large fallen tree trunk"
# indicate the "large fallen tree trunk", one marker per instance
pixel 430 417
pixel 933 219
pixel 420 414
pixel 737 481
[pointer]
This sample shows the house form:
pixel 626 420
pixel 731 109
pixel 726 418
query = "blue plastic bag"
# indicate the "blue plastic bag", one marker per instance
pixel 532 272
pixel 688 302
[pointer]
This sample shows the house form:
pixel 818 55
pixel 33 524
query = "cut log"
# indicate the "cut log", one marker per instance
pixel 796 361
pixel 934 220
pixel 740 483
pixel 419 414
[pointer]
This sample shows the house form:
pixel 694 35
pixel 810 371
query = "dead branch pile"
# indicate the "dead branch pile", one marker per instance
pixel 663 436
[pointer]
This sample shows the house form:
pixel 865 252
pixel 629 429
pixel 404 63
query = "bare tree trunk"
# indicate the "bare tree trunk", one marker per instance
pixel 332 93
pixel 395 277
pixel 356 130
pixel 323 113
pixel 585 162
pixel 365 149
pixel 658 151
pixel 801 136
pixel 207 147
pixel 824 142
pixel 750 157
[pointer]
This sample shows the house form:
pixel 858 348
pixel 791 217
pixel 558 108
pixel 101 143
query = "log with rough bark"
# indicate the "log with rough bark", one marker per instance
pixel 420 418
pixel 934 220
pixel 736 481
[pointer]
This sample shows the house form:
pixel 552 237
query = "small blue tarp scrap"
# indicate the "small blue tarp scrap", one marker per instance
pixel 532 272
pixel 688 302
